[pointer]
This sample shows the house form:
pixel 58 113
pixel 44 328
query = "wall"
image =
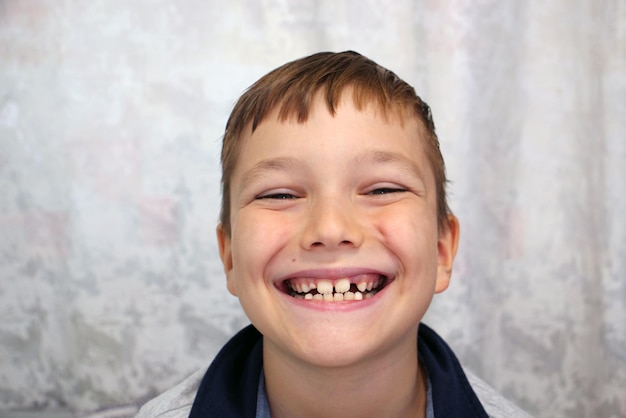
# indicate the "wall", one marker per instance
pixel 111 115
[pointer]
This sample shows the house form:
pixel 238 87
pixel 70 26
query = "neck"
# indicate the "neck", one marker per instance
pixel 386 385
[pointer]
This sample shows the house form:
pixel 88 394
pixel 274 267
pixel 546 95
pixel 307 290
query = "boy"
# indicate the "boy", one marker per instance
pixel 334 234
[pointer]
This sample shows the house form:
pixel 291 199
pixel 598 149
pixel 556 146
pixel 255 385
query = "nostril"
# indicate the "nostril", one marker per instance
pixel 328 230
pixel 318 244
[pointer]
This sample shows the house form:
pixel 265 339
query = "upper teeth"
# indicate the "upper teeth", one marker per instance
pixel 324 287
pixel 342 286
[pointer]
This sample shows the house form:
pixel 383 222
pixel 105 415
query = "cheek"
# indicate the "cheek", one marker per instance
pixel 411 235
pixel 257 238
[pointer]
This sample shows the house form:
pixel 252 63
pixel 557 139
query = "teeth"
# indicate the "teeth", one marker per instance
pixel 340 291
pixel 325 287
pixel 342 286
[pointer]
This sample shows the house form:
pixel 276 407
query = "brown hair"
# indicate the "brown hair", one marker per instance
pixel 293 87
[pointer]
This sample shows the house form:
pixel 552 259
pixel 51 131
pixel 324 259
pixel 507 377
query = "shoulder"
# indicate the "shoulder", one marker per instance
pixel 175 402
pixel 234 370
pixel 496 405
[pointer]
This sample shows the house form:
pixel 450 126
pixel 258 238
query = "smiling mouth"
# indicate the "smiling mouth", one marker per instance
pixel 339 290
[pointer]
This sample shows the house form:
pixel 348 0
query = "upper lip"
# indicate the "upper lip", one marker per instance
pixel 333 273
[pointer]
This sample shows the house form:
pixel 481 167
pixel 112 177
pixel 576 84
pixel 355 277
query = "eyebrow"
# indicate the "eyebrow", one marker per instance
pixel 261 168
pixel 396 158
pixel 265 166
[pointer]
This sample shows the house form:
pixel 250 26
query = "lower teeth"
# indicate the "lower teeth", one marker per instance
pixel 336 297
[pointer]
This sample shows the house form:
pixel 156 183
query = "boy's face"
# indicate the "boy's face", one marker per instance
pixel 345 203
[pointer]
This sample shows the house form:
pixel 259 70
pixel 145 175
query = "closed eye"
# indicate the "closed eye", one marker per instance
pixel 277 196
pixel 386 190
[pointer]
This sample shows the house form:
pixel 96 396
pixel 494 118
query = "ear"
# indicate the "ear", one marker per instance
pixel 447 245
pixel 224 244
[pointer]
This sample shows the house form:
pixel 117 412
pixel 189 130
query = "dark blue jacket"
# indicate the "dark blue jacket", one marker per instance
pixel 230 386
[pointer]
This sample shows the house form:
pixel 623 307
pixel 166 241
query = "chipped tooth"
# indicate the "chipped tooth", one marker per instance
pixel 328 297
pixel 308 296
pixel 318 296
pixel 305 288
pixel 358 296
pixel 362 286
pixel 325 287
pixel 370 285
pixel 312 285
pixel 342 285
pixel 338 297
pixel 348 296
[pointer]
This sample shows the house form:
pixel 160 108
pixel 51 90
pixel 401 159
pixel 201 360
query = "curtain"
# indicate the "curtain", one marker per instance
pixel 111 115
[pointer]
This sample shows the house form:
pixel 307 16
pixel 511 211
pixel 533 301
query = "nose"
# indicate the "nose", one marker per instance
pixel 332 224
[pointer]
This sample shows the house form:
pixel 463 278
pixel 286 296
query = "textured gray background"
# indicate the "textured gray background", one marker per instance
pixel 111 113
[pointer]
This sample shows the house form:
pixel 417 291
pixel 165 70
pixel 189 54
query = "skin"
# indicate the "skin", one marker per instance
pixel 338 196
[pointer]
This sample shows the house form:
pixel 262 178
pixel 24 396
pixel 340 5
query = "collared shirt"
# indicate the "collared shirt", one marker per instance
pixel 231 387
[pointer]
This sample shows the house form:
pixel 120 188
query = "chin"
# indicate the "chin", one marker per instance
pixel 335 347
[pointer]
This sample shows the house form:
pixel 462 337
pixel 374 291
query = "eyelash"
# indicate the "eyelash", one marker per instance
pixel 277 196
pixel 376 192
pixel 386 190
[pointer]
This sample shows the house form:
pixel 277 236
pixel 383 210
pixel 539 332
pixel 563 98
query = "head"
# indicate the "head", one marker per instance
pixel 335 233
pixel 291 90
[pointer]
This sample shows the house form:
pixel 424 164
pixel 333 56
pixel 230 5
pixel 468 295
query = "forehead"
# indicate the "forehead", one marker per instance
pixel 371 128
